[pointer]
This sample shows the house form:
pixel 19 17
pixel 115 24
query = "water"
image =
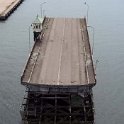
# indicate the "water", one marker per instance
pixel 107 19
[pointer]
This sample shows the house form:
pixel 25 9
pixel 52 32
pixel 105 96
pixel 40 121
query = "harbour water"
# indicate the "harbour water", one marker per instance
pixel 108 21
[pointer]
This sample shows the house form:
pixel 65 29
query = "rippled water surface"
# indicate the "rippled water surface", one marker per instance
pixel 108 20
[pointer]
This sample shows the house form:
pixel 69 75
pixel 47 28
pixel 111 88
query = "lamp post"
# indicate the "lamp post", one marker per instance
pixel 41 8
pixel 97 61
pixel 87 10
pixel 29 28
pixel 93 38
pixel 43 13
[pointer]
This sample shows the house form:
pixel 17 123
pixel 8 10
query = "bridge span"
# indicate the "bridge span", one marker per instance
pixel 59 75
pixel 62 57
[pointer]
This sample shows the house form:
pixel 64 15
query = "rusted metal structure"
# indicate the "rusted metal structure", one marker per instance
pixel 59 75
pixel 41 108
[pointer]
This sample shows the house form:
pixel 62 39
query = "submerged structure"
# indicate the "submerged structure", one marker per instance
pixel 59 74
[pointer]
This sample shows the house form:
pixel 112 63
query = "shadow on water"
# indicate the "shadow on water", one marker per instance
pixel 40 108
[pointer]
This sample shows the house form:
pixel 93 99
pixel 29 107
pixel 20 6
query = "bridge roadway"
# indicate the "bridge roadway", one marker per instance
pixel 62 57
pixel 7 6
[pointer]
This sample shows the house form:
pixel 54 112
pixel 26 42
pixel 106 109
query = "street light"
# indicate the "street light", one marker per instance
pixel 87 10
pixel 41 8
pixel 93 38
pixel 97 61
pixel 43 13
pixel 29 38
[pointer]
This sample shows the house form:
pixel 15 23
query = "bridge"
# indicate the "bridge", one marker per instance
pixel 7 7
pixel 59 71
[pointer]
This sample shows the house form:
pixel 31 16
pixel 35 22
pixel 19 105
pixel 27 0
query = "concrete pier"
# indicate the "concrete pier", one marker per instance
pixel 7 7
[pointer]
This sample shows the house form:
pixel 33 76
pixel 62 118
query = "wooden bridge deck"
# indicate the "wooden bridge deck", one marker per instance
pixel 62 57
